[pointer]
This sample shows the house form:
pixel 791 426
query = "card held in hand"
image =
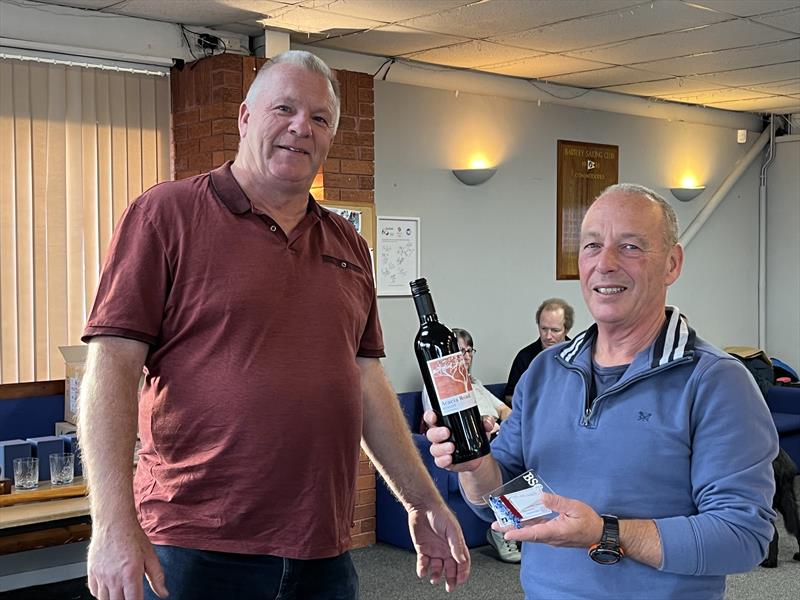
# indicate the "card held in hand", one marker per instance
pixel 519 502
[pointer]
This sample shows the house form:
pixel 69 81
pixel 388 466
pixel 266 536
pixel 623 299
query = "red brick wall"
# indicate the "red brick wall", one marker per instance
pixel 349 173
pixel 205 107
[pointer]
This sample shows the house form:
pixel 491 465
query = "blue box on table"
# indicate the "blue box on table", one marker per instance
pixel 42 448
pixel 71 445
pixel 9 450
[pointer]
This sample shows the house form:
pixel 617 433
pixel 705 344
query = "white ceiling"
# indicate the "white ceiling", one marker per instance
pixel 739 55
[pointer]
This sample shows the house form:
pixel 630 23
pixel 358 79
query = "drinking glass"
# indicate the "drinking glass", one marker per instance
pixel 26 473
pixel 62 468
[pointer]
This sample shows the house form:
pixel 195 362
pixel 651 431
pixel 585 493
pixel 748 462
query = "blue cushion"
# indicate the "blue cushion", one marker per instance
pixel 784 399
pixel 411 404
pixel 786 423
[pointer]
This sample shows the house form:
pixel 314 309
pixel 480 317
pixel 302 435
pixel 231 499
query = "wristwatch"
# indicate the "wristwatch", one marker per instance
pixel 608 551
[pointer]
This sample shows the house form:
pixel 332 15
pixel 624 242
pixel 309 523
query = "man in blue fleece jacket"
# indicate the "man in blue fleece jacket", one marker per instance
pixel 658 444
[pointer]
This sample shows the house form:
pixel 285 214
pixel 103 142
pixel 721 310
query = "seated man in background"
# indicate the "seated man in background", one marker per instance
pixel 493 411
pixel 554 319
pixel 657 445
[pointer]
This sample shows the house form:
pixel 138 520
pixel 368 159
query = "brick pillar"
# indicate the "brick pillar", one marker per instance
pixel 363 530
pixel 349 173
pixel 348 176
pixel 205 107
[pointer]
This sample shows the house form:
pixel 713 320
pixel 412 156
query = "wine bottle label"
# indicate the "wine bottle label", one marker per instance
pixel 453 386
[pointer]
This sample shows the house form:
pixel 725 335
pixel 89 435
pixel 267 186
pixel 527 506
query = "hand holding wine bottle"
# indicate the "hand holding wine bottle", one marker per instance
pixel 442 446
pixel 447 381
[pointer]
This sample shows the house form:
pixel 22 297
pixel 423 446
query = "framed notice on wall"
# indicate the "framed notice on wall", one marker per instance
pixel 361 217
pixel 584 170
pixel 398 255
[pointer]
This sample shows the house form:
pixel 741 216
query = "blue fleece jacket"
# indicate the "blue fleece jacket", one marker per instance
pixel 683 438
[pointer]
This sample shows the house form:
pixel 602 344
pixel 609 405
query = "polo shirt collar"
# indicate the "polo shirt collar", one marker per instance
pixel 233 197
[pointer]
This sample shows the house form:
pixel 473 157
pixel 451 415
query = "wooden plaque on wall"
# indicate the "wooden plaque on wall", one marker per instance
pixel 584 170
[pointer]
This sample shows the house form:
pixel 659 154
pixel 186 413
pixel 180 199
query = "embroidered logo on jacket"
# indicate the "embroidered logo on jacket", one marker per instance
pixel 645 416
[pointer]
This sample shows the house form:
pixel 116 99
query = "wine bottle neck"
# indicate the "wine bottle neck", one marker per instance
pixel 425 308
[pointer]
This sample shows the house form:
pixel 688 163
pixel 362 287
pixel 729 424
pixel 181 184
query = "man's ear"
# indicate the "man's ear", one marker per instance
pixel 244 119
pixel 674 264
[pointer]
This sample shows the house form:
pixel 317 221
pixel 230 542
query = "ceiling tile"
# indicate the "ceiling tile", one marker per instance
pixel 498 17
pixel 643 20
pixel 200 13
pixel 389 40
pixel 756 75
pixel 386 11
pixel 694 41
pixel 472 54
pixel 664 87
pixel 787 19
pixel 776 104
pixel 768 54
pixel 746 8
pixel 716 96
pixel 602 77
pixel 790 87
pixel 542 67
pixel 302 20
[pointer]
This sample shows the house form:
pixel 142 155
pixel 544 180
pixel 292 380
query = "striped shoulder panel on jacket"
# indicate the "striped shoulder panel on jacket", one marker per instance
pixel 571 350
pixel 676 339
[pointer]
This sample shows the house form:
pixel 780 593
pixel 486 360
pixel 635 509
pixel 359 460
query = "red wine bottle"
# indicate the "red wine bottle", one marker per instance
pixel 444 372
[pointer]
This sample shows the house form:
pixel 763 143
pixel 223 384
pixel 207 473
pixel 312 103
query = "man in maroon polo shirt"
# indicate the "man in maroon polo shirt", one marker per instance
pixel 252 311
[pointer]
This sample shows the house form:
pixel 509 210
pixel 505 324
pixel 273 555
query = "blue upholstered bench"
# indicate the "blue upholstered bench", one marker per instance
pixel 784 404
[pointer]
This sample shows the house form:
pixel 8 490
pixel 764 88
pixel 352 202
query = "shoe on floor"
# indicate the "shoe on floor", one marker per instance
pixel 507 551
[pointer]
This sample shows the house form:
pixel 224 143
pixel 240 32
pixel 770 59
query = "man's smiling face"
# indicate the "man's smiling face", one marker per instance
pixel 288 129
pixel 625 265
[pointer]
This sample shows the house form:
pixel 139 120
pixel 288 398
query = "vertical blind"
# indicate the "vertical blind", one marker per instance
pixel 76 146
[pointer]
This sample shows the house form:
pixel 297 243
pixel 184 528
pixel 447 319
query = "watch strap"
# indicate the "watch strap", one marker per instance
pixel 608 550
pixel 610 535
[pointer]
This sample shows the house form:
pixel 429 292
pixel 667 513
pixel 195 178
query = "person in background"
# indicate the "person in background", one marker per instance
pixel 657 445
pixel 252 310
pixel 554 319
pixel 493 411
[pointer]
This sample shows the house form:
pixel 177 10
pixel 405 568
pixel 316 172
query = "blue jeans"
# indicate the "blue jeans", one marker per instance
pixel 204 575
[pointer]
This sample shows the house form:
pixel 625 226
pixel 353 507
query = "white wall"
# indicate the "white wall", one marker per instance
pixel 489 251
pixel 783 253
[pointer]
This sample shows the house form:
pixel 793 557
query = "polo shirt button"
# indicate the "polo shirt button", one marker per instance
pixel 344 265
pixel 273 229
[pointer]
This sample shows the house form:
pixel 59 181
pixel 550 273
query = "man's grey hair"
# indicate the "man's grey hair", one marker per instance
pixel 309 62
pixel 670 218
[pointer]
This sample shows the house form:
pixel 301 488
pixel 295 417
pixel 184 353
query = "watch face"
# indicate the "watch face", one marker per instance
pixel 605 556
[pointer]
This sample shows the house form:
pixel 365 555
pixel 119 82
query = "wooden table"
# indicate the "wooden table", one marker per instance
pixel 50 515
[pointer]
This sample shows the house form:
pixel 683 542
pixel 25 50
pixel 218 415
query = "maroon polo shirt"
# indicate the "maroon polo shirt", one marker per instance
pixel 250 416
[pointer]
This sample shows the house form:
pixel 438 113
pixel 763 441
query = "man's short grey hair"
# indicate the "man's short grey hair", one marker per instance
pixel 309 62
pixel 670 218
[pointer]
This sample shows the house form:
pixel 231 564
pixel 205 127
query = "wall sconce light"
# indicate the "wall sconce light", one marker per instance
pixel 473 176
pixel 684 194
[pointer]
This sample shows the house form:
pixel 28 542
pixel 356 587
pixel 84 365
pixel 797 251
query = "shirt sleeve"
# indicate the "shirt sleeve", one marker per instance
pixel 733 444
pixel 135 282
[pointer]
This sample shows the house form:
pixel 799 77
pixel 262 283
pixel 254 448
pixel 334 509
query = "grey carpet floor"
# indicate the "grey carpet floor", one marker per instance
pixel 387 573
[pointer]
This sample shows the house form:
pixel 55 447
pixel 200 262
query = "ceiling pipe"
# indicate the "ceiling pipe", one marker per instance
pixel 762 237
pixel 725 187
